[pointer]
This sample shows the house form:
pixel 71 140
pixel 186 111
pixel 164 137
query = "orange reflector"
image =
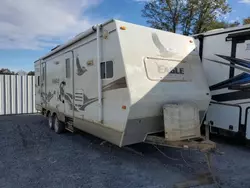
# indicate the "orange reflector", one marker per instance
pixel 123 28
pixel 124 107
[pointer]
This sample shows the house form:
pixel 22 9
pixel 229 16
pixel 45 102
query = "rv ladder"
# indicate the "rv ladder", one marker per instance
pixel 69 124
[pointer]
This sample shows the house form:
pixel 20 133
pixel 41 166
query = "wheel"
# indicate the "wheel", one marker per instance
pixel 51 121
pixel 59 126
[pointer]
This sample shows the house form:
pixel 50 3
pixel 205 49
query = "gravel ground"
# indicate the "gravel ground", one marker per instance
pixel 31 155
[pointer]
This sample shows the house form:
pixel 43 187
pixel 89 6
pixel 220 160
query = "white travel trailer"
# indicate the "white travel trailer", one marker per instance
pixel 113 81
pixel 225 57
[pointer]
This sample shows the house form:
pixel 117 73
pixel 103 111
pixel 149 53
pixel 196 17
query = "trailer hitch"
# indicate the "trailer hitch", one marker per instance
pixel 200 144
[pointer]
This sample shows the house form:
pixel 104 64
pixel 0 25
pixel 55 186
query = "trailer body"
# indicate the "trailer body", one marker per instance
pixel 225 55
pixel 141 70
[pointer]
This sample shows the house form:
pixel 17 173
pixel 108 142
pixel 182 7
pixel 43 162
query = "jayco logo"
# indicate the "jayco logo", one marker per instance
pixel 171 70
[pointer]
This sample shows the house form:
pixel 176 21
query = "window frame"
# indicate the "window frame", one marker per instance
pixel 104 77
pixel 106 72
pixel 38 80
pixel 67 68
pixel 43 73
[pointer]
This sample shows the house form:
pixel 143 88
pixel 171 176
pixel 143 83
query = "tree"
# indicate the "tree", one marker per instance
pixel 209 11
pixel 6 71
pixel 31 73
pixel 234 24
pixel 185 16
pixel 163 14
pixel 189 13
pixel 246 21
pixel 222 24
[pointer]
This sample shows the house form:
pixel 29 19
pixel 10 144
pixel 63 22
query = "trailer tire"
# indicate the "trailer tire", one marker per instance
pixel 59 126
pixel 51 121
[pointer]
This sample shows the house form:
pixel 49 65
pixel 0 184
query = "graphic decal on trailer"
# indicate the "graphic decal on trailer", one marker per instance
pixel 69 99
pixel 240 83
pixel 80 70
pixel 81 99
pixel 164 52
pixel 87 102
pixel 117 84
pixel 47 97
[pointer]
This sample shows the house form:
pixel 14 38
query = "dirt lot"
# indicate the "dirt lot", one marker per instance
pixel 31 155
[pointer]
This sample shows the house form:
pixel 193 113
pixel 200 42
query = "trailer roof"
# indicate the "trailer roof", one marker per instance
pixel 223 31
pixel 73 41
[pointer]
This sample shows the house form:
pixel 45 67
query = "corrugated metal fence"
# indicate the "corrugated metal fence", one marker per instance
pixel 17 94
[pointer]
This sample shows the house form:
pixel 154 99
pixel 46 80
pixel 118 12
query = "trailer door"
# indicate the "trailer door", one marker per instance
pixel 68 85
pixel 43 84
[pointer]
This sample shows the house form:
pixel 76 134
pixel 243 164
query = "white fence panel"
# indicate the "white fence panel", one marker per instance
pixel 17 94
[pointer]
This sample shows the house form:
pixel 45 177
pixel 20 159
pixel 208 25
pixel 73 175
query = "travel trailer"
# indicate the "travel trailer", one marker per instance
pixel 225 55
pixel 122 82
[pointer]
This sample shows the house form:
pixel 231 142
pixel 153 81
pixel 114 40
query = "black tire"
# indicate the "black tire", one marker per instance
pixel 59 126
pixel 51 121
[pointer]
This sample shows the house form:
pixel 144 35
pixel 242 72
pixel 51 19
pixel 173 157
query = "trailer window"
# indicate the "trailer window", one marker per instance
pixel 38 80
pixel 103 70
pixel 43 73
pixel 67 63
pixel 107 69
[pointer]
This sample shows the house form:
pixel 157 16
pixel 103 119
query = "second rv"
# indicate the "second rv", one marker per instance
pixel 225 55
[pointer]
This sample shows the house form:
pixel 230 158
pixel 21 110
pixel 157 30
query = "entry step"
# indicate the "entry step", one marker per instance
pixel 69 127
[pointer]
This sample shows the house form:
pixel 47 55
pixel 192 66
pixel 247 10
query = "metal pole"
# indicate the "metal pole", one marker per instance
pixel 98 64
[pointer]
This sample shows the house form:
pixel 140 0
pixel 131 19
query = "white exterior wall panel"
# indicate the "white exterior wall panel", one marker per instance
pixel 17 94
